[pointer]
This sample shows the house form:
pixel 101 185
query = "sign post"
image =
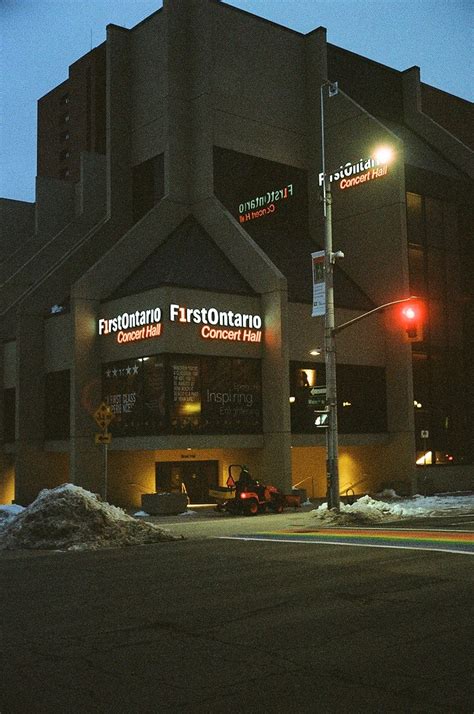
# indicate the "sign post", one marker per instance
pixel 103 415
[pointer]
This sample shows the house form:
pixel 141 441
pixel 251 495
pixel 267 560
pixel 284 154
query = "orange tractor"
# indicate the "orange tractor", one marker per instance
pixel 246 496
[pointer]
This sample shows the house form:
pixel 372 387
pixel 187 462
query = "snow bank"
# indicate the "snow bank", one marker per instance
pixel 9 512
pixel 367 509
pixel 70 518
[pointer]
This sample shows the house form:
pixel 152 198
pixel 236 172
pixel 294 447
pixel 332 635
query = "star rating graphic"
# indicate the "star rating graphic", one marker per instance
pixel 127 371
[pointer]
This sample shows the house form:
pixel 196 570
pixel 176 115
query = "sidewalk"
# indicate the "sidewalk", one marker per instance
pixel 205 522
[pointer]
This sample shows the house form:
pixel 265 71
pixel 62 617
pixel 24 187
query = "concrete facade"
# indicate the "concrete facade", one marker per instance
pixel 195 76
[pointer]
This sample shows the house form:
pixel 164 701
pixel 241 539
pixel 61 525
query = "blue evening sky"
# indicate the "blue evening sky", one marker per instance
pixel 41 38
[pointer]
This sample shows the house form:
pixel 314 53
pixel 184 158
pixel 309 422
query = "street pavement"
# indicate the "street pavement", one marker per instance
pixel 211 624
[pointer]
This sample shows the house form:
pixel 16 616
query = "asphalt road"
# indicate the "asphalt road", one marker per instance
pixel 208 625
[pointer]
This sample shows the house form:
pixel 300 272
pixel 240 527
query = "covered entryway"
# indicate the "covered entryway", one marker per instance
pixel 194 477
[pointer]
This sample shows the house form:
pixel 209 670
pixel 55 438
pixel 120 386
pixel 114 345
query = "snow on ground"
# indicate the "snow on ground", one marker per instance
pixel 9 512
pixel 70 518
pixel 390 507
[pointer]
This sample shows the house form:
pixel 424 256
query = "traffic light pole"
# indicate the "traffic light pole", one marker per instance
pixel 332 459
pixel 332 463
pixel 330 329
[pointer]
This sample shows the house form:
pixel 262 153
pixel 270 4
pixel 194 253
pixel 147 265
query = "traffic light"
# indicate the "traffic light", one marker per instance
pixel 412 314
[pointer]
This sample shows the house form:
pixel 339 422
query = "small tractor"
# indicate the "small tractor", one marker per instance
pixel 246 496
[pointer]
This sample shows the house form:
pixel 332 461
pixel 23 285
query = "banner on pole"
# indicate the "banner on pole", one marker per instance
pixel 319 284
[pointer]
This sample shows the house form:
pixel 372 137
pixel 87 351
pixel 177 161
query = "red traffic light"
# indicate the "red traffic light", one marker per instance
pixel 412 314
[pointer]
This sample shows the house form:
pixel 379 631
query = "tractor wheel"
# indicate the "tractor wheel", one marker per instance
pixel 251 507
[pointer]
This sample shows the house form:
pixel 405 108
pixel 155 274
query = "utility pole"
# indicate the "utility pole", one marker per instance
pixel 332 460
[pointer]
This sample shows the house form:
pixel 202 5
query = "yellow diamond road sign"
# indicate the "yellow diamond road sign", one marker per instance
pixel 103 415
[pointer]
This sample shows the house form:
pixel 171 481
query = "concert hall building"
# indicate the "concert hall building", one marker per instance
pixel 165 268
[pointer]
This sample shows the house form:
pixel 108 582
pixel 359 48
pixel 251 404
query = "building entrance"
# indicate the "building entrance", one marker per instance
pixel 192 477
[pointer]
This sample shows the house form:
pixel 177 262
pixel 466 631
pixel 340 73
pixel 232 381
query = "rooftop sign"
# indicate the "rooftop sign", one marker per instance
pixel 265 204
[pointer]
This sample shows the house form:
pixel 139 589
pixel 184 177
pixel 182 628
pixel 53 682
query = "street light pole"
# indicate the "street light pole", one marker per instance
pixel 332 459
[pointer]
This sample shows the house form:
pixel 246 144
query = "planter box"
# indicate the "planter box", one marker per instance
pixel 164 504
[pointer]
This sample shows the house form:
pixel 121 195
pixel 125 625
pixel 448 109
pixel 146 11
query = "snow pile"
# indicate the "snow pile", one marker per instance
pixel 369 510
pixel 9 512
pixel 70 518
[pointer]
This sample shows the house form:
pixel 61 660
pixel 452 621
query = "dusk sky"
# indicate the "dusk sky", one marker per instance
pixel 41 38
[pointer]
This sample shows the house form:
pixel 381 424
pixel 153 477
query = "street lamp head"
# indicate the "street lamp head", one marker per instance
pixel 383 154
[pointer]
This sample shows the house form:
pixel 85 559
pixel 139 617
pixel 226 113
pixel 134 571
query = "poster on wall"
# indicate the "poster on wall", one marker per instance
pixel 186 394
pixel 122 392
pixel 135 392
pixel 153 370
pixel 231 395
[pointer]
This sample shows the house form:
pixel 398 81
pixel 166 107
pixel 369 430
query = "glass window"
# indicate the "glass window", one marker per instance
pixel 362 399
pixel 361 392
pixel 183 394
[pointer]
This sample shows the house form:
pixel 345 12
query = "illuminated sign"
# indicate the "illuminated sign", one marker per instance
pixel 128 320
pixel 133 326
pixel 350 175
pixel 212 333
pixel 216 324
pixel 264 205
pixel 144 333
pixel 212 316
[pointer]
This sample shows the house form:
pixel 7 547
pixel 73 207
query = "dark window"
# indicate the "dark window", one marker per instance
pixel 56 409
pixel 441 381
pixel 183 394
pixel 9 410
pixel 362 399
pixel 361 402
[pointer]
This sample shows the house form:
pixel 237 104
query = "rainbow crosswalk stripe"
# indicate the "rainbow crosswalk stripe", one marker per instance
pixel 439 540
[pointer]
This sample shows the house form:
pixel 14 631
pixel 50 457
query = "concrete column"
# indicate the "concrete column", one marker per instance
pixel 118 113
pixel 87 459
pixel 429 130
pixel 189 169
pixel 276 458
pixel 30 456
pixel 411 91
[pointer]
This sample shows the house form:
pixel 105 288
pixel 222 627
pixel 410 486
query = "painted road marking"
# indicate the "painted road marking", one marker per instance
pixel 438 540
